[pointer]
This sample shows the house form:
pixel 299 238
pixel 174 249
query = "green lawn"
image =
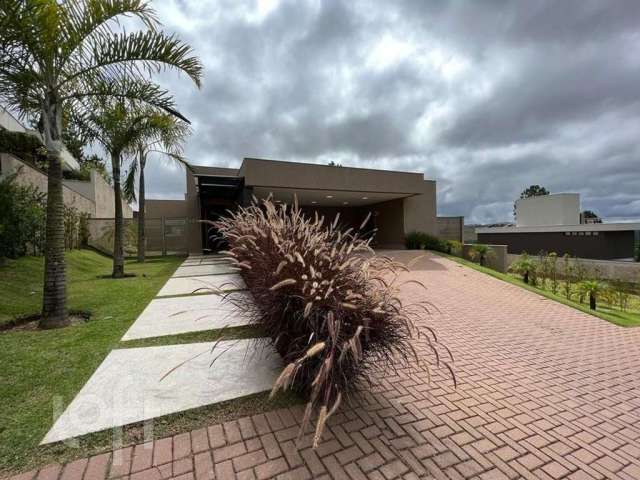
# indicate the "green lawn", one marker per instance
pixel 38 367
pixel 605 312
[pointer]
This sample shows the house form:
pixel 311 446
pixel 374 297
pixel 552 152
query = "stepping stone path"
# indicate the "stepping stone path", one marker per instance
pixel 129 387
pixel 136 384
pixel 175 315
pixel 202 284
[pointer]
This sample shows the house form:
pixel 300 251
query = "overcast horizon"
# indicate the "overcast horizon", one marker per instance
pixel 485 98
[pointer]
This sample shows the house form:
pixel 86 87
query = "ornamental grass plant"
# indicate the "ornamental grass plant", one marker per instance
pixel 328 304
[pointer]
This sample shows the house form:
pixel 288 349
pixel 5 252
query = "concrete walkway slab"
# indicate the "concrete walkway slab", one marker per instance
pixel 204 269
pixel 206 260
pixel 175 315
pixel 128 387
pixel 200 284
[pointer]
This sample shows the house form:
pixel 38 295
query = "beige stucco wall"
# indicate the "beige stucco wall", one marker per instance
pixel 165 208
pixel 450 228
pixel 420 210
pixel 556 209
pixel 95 197
pixel 29 175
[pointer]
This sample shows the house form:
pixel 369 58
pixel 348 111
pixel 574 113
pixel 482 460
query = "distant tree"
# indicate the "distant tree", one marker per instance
pixel 531 191
pixel 592 216
pixel 334 164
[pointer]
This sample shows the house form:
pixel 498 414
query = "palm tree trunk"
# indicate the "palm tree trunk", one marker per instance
pixel 54 308
pixel 592 301
pixel 118 237
pixel 141 214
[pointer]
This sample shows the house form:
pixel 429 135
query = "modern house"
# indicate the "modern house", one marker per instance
pixel 399 202
pixel 553 223
pixel 93 196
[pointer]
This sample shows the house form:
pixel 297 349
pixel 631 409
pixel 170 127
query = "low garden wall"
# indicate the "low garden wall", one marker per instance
pixel 496 260
pixel 604 269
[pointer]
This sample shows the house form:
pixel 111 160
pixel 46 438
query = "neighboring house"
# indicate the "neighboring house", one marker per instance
pixel 553 223
pixel 94 197
pixel 400 202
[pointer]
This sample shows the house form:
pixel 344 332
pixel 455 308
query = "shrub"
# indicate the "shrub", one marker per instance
pixel 455 248
pixel 328 306
pixel 23 214
pixel 524 266
pixel 568 275
pixel 618 294
pixel 552 258
pixel 22 218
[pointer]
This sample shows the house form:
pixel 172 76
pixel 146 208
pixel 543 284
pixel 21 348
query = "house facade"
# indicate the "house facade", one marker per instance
pixel 399 202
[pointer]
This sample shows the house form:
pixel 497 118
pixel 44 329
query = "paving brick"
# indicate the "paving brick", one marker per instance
pixel 182 465
pixel 216 436
pixel 224 470
pixel 142 457
pixel 120 462
pixel 271 446
pixel 199 440
pixel 230 451
pixel 203 466
pixel 50 472
pixel 148 474
pixel 74 470
pixel 271 469
pixel 97 467
pixel 249 460
pixel 232 432
pixel 162 451
pixel 181 445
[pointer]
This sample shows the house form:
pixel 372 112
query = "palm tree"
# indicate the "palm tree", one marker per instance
pixel 56 55
pixel 480 252
pixel 165 136
pixel 526 267
pixel 593 288
pixel 120 128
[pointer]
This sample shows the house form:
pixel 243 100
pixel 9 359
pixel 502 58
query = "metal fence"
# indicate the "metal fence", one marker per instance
pixel 164 236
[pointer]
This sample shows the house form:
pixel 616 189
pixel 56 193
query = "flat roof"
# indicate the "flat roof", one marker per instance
pixel 583 227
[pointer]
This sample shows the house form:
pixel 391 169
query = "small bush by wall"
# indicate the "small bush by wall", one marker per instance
pixel 23 214
pixel 425 241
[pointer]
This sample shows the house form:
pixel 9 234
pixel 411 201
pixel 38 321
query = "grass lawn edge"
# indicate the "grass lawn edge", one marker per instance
pixel 603 315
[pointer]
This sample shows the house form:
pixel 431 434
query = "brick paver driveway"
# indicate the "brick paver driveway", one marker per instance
pixel 544 392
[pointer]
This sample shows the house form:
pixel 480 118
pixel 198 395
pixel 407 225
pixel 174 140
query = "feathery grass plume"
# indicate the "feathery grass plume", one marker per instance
pixel 328 304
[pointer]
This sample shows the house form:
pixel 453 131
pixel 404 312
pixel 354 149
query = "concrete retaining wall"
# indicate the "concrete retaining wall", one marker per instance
pixel 94 197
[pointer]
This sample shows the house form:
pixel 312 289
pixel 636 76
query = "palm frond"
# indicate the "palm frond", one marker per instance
pixel 136 55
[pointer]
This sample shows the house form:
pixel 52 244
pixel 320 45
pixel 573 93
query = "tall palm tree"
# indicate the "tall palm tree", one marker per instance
pixel 120 128
pixel 165 137
pixel 53 57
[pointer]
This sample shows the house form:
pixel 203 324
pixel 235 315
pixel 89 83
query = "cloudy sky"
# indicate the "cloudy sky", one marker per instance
pixel 484 97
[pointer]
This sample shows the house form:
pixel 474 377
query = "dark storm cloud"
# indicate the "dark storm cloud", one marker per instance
pixel 485 97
